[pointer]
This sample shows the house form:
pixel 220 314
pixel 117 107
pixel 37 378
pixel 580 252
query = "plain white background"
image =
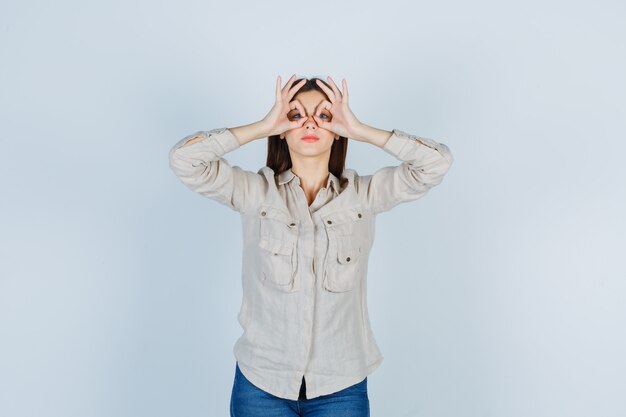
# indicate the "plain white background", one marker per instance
pixel 499 294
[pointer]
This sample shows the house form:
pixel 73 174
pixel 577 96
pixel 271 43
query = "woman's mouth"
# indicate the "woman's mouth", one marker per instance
pixel 310 138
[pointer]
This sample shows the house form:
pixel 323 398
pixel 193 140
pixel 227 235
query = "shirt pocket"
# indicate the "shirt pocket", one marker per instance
pixel 278 237
pixel 343 267
pixel 279 263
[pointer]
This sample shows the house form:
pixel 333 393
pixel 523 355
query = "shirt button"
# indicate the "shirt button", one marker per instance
pixel 263 213
pixel 348 259
pixel 292 224
pixel 329 221
pixel 359 215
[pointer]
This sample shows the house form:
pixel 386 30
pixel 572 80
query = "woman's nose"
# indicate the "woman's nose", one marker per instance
pixel 310 122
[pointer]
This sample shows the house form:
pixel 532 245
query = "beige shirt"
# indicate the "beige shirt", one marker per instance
pixel 304 273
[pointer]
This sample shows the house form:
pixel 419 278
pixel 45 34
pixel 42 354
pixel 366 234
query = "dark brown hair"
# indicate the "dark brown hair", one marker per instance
pixel 278 157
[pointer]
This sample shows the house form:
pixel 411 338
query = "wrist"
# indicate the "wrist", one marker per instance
pixel 373 135
pixel 263 128
pixel 359 132
pixel 250 132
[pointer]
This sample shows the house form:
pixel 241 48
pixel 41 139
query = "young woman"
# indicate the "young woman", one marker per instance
pixel 307 346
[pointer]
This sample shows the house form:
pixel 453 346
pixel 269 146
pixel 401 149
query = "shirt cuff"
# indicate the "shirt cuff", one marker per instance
pixel 399 140
pixel 225 138
pixel 222 137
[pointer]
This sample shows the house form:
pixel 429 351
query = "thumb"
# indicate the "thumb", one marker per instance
pixel 322 123
pixel 297 123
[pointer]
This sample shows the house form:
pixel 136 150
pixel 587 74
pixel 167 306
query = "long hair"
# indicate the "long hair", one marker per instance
pixel 278 157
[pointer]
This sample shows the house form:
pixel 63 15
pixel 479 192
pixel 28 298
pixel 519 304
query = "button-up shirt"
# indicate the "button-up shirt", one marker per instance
pixel 304 273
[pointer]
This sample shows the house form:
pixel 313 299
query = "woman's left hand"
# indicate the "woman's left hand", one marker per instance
pixel 343 122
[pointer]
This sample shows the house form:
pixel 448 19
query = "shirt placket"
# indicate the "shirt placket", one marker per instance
pixel 309 213
pixel 308 291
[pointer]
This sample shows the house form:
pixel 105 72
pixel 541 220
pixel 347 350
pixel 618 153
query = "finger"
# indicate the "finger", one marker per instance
pixel 297 123
pixel 289 82
pixel 338 95
pixel 325 104
pixel 295 89
pixel 345 89
pixel 322 123
pixel 277 86
pixel 295 104
pixel 327 90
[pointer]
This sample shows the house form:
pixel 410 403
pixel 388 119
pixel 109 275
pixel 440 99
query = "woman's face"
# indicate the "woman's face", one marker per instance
pixel 311 101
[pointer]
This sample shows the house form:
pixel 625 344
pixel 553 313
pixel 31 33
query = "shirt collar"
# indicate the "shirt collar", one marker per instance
pixel 288 175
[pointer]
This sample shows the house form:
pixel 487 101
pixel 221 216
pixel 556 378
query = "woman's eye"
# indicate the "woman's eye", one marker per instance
pixel 321 115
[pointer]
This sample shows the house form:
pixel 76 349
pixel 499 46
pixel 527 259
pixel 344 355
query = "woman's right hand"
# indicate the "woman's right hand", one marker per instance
pixel 276 121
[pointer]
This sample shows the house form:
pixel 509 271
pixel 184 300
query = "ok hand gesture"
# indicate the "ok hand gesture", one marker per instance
pixel 276 121
pixel 343 121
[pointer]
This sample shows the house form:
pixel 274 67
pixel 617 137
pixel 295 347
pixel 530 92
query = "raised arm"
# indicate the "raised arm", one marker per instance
pixel 424 164
pixel 197 161
pixel 424 161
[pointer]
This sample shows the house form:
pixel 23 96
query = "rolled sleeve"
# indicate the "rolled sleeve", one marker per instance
pixel 424 164
pixel 202 168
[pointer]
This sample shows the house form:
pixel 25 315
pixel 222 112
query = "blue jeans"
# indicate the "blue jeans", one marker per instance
pixel 248 400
